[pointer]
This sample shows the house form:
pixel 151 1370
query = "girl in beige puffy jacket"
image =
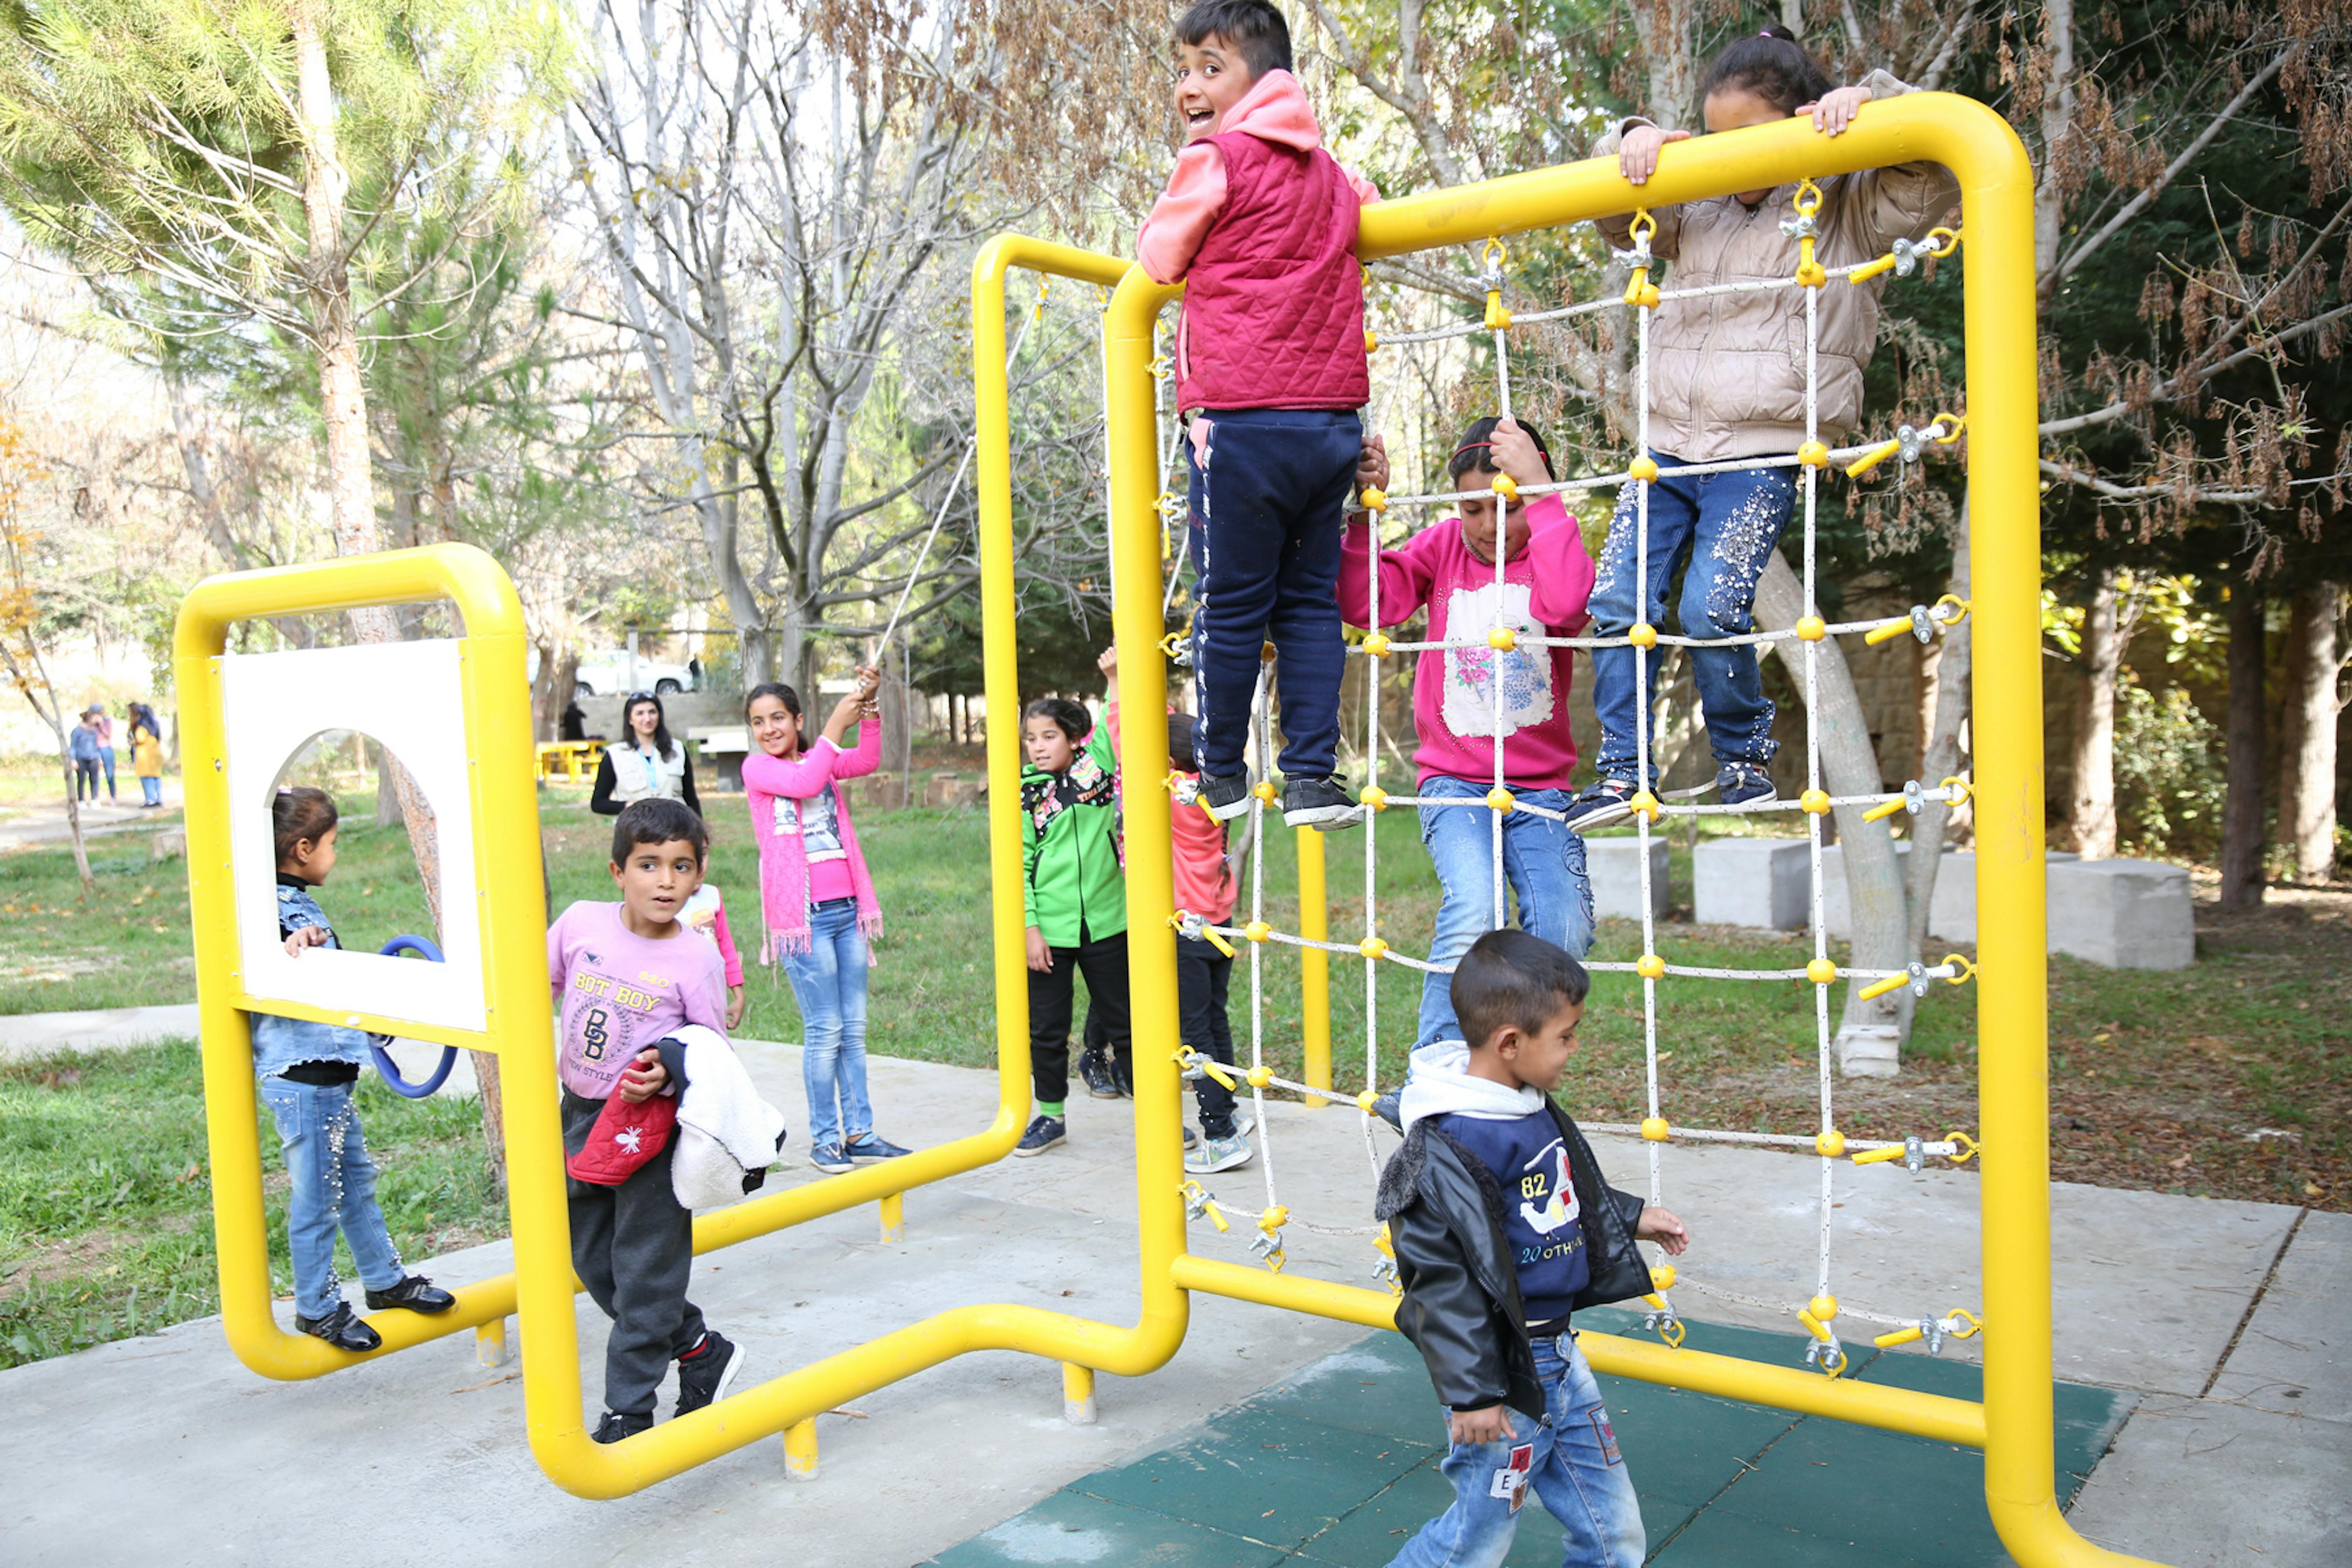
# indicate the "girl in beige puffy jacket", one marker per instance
pixel 1727 383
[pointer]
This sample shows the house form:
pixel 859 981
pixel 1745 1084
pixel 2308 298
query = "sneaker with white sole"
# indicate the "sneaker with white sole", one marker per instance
pixel 1045 1132
pixel 872 1146
pixel 1745 784
pixel 1217 1154
pixel 830 1158
pixel 1095 1072
pixel 1603 804
pixel 705 1372
pixel 1321 803
pixel 1226 798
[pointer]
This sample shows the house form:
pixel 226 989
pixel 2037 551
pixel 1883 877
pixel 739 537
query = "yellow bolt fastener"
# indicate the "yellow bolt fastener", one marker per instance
pixel 1197 1201
pixel 1644 804
pixel 1887 1342
pixel 1643 469
pixel 1872 459
pixel 1219 942
pixel 1662 1277
pixel 1500 799
pixel 1506 488
pixel 1376 644
pixel 1502 640
pixel 1641 634
pixel 1813 455
pixel 1888 631
pixel 1374 798
pixel 1821 971
pixel 1883 809
pixel 1654 1129
pixel 1880 1156
pixel 1374 499
pixel 1264 789
pixel 1257 931
pixel 1830 1145
pixel 1650 966
pixel 1371 947
pixel 1816 801
pixel 1258 1078
pixel 1640 292
pixel 1811 628
pixel 1811 274
pixel 1498 319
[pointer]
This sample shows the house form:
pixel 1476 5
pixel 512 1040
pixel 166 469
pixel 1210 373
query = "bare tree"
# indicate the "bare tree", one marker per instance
pixel 2315 669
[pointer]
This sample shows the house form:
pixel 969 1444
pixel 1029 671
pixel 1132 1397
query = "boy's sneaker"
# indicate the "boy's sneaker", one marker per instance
pixel 831 1158
pixel 342 1329
pixel 616 1426
pixel 1319 804
pixel 704 1372
pixel 1218 1155
pixel 1122 1077
pixel 1601 805
pixel 1745 784
pixel 1045 1132
pixel 1226 798
pixel 416 1293
pixel 1190 1136
pixel 872 1146
pixel 1093 1069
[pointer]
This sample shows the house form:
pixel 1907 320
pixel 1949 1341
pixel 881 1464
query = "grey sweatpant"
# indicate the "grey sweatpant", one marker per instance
pixel 634 1248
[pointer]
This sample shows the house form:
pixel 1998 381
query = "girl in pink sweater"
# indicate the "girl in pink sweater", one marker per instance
pixel 1449 570
pixel 819 901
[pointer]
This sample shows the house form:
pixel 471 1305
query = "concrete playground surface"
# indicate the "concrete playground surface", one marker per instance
pixel 2205 1393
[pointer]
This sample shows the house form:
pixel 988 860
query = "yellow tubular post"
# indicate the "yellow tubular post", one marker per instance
pixel 1314 964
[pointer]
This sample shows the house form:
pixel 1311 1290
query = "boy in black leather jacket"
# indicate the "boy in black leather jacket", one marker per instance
pixel 1502 1226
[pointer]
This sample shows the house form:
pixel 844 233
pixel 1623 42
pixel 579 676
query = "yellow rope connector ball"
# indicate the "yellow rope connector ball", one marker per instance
pixel 1654 1129
pixel 1502 640
pixel 1506 488
pixel 1257 931
pixel 1371 340
pixel 1816 801
pixel 1650 966
pixel 1823 1308
pixel 1641 293
pixel 1376 644
pixel 1500 799
pixel 1374 499
pixel 1264 789
pixel 1641 634
pixel 1274 1219
pixel 1831 1144
pixel 1811 628
pixel 1366 1100
pixel 1813 455
pixel 1258 1078
pixel 1374 798
pixel 1644 804
pixel 1821 971
pixel 1662 1277
pixel 1643 469
pixel 1371 947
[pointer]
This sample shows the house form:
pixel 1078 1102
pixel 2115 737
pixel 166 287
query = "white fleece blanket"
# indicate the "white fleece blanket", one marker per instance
pixel 724 1129
pixel 1439 1081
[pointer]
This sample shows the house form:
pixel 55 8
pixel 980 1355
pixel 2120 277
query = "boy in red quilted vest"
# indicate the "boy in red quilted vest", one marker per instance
pixel 1260 222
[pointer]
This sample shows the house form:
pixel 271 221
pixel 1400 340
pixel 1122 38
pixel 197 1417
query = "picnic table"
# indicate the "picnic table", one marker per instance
pixel 573 760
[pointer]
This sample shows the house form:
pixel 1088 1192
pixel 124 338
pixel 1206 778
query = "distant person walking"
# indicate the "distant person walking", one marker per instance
pixel 81 745
pixel 105 727
pixel 147 753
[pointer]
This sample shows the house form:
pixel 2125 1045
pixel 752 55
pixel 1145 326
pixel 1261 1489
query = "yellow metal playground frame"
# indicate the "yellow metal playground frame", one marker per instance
pixel 2013 1425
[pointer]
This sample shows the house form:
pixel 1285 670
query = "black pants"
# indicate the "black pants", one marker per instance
pixel 85 778
pixel 633 1246
pixel 1203 975
pixel 1104 963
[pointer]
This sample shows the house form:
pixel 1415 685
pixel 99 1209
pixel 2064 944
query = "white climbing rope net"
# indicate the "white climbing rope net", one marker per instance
pixel 1501 639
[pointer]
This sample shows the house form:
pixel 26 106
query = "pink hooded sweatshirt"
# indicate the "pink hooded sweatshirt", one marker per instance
pixel 1263 223
pixel 1544 589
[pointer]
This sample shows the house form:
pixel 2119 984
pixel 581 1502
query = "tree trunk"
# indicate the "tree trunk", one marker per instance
pixel 2307 793
pixel 1871 1035
pixel 2245 742
pixel 2092 819
pixel 1954 668
pixel 1668 49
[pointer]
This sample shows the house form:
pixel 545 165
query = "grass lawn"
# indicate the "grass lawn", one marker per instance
pixel 2227 1079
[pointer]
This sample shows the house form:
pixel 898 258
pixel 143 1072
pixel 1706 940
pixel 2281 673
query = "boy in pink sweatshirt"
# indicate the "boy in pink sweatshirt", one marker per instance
pixel 1450 569
pixel 1259 223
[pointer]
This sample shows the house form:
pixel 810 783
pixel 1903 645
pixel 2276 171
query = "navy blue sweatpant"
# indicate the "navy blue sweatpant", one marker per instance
pixel 1269 495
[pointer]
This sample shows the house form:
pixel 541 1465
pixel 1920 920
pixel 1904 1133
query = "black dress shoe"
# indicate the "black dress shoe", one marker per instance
pixel 416 1293
pixel 342 1329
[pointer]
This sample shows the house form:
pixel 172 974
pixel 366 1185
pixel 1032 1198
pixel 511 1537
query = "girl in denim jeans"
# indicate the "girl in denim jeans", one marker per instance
pixel 1450 569
pixel 308 1071
pixel 819 901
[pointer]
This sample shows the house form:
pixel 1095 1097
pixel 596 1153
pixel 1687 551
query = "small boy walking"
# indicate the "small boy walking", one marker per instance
pixel 1260 222
pixel 626 976
pixel 1502 1226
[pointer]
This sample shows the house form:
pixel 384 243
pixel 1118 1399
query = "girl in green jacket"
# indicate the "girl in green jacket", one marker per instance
pixel 1074 896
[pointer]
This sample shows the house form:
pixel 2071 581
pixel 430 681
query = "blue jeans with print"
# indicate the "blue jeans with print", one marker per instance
pixel 333 1188
pixel 1542 861
pixel 829 983
pixel 1726 526
pixel 1572 1466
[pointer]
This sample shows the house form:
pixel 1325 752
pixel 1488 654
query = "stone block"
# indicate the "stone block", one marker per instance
pixel 167 845
pixel 1615 866
pixel 2123 914
pixel 1763 883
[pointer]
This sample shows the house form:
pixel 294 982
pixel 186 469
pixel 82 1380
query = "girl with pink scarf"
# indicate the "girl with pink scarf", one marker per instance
pixel 819 901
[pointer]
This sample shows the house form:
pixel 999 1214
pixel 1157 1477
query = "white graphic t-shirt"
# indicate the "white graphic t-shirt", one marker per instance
pixel 816 822
pixel 1469 703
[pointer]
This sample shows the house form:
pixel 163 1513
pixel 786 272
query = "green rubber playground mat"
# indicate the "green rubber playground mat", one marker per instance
pixel 1338 1466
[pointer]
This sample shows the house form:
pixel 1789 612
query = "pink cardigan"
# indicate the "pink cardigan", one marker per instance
pixel 1545 585
pixel 784 873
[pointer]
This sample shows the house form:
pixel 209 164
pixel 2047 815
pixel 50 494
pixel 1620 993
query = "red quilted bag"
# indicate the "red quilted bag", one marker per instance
pixel 625 1136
